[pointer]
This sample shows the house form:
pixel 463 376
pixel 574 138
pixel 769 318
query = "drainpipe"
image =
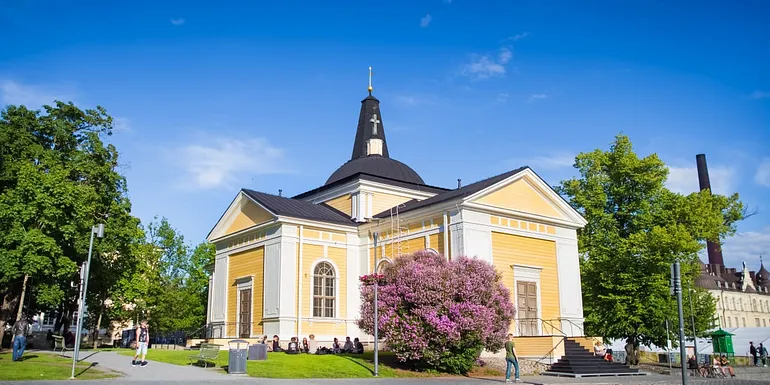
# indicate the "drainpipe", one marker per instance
pixel 299 283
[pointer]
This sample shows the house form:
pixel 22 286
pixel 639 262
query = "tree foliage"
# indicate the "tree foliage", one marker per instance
pixel 636 229
pixel 439 314
pixel 58 179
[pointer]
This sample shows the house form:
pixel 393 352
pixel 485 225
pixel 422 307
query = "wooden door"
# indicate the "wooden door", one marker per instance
pixel 244 317
pixel 527 308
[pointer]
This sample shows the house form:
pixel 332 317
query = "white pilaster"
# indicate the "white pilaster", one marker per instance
pixel 570 291
pixel 353 268
pixel 287 308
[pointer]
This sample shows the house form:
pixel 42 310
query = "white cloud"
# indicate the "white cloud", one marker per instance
pixel 120 124
pixel 535 97
pixel 178 21
pixel 684 180
pixel 502 98
pixel 505 55
pixel 223 162
pixel 31 96
pixel 763 173
pixel 518 36
pixel 486 66
pixel 760 94
pixel 552 162
pixel 747 246
pixel 425 21
pixel 414 100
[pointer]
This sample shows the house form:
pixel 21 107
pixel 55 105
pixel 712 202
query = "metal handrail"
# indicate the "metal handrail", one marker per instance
pixel 550 352
pixel 518 321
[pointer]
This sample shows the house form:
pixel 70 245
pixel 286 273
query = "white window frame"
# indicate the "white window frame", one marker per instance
pixel 526 273
pixel 336 289
pixel 243 283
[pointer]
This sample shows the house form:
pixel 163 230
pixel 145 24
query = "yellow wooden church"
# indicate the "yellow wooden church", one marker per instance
pixel 290 266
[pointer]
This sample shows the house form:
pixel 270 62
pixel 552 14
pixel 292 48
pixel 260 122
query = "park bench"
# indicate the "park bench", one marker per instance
pixel 208 352
pixel 58 344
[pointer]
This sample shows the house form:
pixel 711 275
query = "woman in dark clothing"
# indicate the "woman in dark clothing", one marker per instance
pixel 276 344
pixel 359 347
pixel 305 347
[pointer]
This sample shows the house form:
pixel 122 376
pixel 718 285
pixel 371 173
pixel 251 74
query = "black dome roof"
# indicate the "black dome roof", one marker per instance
pixel 379 166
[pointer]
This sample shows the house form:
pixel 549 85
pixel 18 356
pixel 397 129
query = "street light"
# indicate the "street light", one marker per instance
pixel 376 321
pixel 97 230
pixel 692 320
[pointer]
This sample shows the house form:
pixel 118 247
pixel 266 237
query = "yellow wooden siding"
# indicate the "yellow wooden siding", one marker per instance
pixel 413 245
pixel 510 249
pixel 250 215
pixel 437 242
pixel 382 202
pixel 341 203
pixel 323 235
pixel 587 342
pixel 538 347
pixel 321 328
pixel 521 196
pixel 311 254
pixel 241 265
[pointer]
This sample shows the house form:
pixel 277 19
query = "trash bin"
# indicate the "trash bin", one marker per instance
pixel 237 360
pixel 258 352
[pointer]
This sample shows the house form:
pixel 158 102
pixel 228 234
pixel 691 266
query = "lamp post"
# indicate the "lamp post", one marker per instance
pixel 376 323
pixel 96 230
pixel 694 335
pixel 676 288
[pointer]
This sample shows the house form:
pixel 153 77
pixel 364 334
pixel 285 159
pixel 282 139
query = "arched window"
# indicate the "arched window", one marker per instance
pixel 382 266
pixel 324 293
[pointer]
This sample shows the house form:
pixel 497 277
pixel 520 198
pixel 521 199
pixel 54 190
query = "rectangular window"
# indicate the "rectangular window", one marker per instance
pixel 756 321
pixel 744 321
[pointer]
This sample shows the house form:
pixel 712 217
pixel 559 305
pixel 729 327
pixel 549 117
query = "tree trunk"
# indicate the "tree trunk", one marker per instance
pixel 21 301
pixel 95 333
pixel 9 302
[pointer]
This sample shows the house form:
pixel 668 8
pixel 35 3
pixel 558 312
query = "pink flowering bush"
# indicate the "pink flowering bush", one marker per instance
pixel 439 314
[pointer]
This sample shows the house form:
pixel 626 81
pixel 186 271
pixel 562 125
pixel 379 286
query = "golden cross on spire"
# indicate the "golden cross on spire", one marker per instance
pixel 370 80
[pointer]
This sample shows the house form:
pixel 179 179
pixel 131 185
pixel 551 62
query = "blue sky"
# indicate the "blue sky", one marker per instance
pixel 213 97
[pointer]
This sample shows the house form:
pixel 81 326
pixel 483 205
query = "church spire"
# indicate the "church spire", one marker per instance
pixel 370 134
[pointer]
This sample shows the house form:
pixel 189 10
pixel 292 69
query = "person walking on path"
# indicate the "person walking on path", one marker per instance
pixel 762 351
pixel 753 353
pixel 511 360
pixel 142 339
pixel 20 331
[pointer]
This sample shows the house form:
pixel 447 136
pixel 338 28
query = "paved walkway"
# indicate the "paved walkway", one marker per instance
pixel 154 371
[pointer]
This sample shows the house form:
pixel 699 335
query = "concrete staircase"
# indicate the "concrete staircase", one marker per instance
pixel 580 362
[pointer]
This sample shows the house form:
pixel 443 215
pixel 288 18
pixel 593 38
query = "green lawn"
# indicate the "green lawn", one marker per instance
pixel 282 365
pixel 44 366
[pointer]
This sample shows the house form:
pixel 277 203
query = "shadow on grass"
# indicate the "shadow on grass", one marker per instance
pixel 359 364
pixel 28 357
pixel 93 364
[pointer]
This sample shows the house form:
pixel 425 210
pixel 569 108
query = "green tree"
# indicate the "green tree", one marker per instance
pixel 57 179
pixel 636 229
pixel 177 297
